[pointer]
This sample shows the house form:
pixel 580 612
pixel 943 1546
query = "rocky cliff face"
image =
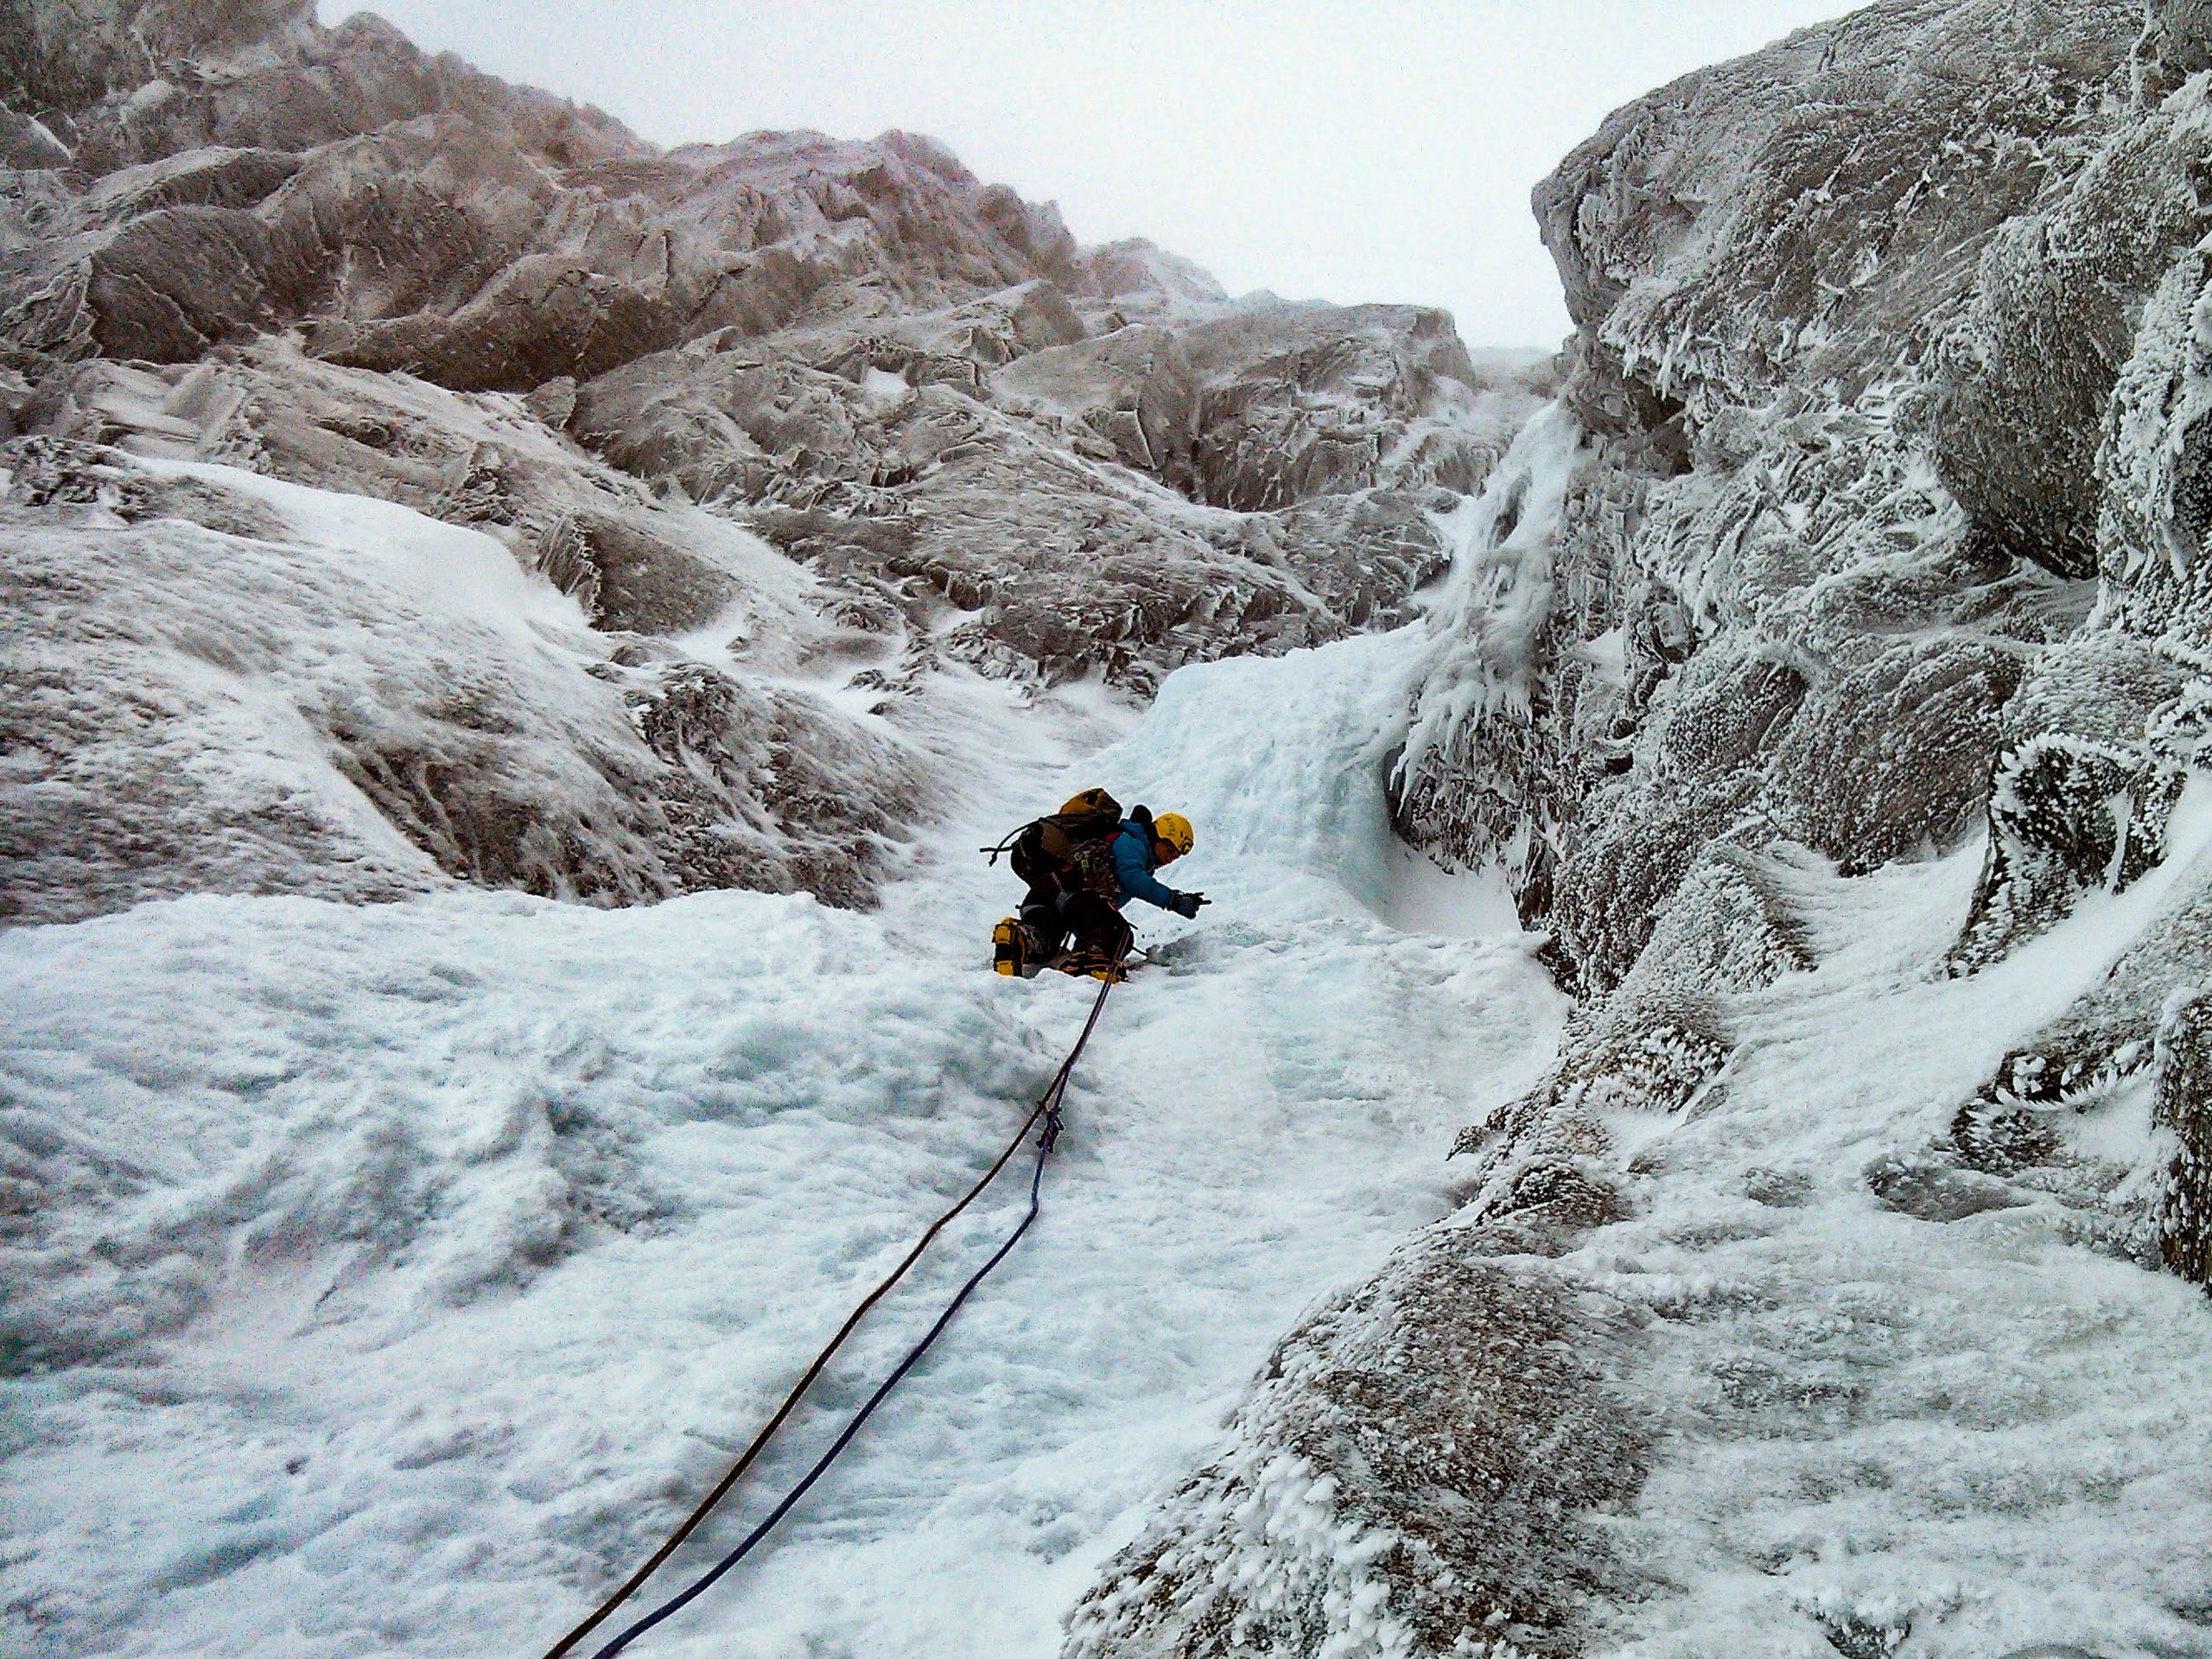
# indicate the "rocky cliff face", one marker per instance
pixel 1884 537
pixel 1840 495
pixel 1869 527
pixel 786 418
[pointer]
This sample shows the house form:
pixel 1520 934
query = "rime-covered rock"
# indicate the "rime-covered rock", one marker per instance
pixel 1416 1470
pixel 415 214
pixel 2183 1111
pixel 2107 724
pixel 1041 496
pixel 634 564
pixel 1660 1039
pixel 409 215
pixel 1888 526
pixel 1872 518
pixel 2100 746
pixel 122 82
pixel 1853 313
pixel 215 686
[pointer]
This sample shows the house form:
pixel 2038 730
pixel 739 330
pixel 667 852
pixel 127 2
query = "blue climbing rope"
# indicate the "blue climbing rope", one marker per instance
pixel 1049 1107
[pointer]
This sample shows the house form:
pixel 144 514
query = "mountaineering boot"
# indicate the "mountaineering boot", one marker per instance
pixel 1007 953
pixel 1096 963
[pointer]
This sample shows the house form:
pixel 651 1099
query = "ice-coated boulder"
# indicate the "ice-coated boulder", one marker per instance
pixel 1414 1473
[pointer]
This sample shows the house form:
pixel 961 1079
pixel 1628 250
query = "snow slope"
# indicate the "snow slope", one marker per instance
pixel 1902 1400
pixel 391 1278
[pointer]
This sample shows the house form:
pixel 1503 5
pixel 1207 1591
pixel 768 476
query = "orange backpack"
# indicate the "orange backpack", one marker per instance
pixel 1047 851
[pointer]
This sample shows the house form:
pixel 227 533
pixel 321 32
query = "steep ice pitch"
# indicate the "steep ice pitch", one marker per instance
pixel 391 1278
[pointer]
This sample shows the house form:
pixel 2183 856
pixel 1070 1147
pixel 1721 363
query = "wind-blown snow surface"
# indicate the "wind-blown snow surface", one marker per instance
pixel 391 1278
pixel 1903 1401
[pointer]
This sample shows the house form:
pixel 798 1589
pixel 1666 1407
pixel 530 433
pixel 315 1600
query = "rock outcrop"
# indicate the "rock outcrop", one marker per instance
pixel 215 688
pixel 1416 1471
pixel 785 416
pixel 1805 534
pixel 1883 535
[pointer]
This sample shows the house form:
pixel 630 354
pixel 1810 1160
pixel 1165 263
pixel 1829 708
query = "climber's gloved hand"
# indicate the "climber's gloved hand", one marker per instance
pixel 1186 904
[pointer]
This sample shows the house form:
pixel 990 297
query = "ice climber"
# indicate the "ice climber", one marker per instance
pixel 1082 863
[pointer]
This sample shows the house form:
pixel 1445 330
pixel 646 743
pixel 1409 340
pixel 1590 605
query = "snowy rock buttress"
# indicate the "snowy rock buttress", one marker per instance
pixel 1890 367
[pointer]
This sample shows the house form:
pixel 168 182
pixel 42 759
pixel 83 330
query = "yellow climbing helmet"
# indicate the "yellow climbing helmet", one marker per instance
pixel 1173 828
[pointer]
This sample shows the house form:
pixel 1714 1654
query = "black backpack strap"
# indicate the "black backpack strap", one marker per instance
pixel 1007 845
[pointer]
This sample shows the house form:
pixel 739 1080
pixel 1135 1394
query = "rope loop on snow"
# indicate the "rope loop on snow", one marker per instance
pixel 1047 1110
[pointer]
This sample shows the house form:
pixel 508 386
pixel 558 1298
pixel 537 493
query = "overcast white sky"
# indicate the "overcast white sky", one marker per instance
pixel 1323 148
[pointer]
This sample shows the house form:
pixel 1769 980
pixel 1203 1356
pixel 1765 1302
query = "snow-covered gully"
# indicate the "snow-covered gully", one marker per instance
pixel 407 1269
pixel 424 1261
pixel 388 1259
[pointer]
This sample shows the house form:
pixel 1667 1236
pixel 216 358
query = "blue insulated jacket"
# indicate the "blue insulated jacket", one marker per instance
pixel 1133 868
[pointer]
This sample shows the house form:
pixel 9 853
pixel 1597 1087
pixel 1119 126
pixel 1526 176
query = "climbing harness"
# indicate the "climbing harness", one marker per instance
pixel 1047 1110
